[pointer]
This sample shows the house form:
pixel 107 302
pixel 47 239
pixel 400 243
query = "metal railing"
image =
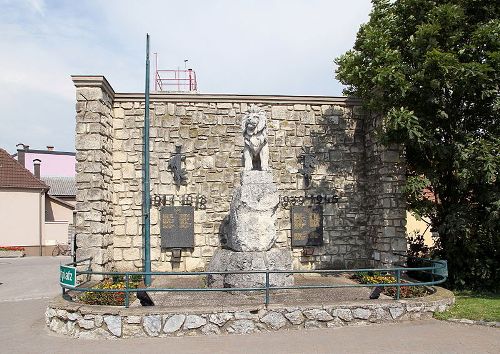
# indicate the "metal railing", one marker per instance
pixel 437 271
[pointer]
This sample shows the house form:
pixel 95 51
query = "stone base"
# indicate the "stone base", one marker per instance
pixel 104 322
pixel 227 260
pixel 252 213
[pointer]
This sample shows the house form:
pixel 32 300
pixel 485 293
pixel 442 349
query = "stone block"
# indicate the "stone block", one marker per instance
pixel 361 313
pixel 317 314
pixel 89 93
pixel 173 323
pixel 227 260
pixel 114 324
pixel 223 105
pixel 396 312
pixel 220 318
pixel 88 142
pixel 343 314
pixel 295 317
pixel 210 329
pixel 152 325
pixel 131 254
pixel 134 319
pixel 275 320
pixel 194 321
pixel 242 327
pixel 253 213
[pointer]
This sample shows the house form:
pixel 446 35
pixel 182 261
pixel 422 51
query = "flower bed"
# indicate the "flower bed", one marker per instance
pixel 405 291
pixel 11 251
pixel 108 298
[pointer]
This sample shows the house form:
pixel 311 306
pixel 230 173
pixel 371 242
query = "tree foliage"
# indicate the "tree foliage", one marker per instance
pixel 431 68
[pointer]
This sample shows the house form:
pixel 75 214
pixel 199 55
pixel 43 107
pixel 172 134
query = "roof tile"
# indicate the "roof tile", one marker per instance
pixel 61 186
pixel 14 175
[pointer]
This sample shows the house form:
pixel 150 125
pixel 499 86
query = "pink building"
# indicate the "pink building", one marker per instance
pixel 52 163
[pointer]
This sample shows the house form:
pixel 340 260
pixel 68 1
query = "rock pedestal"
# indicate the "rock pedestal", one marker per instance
pixel 253 213
pixel 228 260
pixel 251 237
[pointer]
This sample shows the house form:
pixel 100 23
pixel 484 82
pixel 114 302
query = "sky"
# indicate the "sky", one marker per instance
pixel 284 47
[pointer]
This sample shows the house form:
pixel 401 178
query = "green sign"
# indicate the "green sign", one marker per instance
pixel 67 276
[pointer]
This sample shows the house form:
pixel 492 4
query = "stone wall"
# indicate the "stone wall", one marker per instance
pixel 350 165
pixel 386 206
pixel 94 218
pixel 95 322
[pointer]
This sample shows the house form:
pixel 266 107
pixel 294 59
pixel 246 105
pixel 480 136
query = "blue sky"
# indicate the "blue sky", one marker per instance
pixel 282 47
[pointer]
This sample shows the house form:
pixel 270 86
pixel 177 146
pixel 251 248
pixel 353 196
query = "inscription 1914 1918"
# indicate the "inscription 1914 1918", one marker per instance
pixel 307 225
pixel 177 226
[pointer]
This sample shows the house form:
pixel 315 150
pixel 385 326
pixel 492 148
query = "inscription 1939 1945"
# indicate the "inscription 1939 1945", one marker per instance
pixel 307 225
pixel 177 226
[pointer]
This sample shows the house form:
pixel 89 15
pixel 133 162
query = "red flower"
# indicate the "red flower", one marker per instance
pixel 11 248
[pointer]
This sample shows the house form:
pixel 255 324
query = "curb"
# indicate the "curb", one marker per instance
pixel 473 322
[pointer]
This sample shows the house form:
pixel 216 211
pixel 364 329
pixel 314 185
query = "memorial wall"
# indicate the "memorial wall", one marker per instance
pixel 340 201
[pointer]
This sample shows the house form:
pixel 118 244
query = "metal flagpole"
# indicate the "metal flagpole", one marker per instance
pixel 145 179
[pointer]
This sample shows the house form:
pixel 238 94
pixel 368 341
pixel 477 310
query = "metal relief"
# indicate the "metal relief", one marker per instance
pixel 177 226
pixel 307 225
pixel 309 163
pixel 175 165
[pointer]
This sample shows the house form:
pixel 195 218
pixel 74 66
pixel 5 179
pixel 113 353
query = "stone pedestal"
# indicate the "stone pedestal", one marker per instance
pixel 251 237
pixel 253 213
pixel 228 260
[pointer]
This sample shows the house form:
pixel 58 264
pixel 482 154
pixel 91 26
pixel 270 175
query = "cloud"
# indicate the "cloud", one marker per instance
pixel 246 47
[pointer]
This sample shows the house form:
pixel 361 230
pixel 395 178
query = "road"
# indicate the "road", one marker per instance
pixel 28 283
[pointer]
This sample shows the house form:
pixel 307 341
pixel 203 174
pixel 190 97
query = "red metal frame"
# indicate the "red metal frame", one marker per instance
pixel 175 80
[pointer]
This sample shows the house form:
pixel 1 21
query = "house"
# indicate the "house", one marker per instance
pixel 52 163
pixel 30 216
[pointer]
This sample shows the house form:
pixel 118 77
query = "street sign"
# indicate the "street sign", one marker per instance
pixel 67 276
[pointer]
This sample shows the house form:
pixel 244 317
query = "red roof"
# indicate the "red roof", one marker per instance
pixel 14 175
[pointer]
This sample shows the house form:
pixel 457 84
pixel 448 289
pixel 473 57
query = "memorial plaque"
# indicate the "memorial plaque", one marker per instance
pixel 307 225
pixel 177 226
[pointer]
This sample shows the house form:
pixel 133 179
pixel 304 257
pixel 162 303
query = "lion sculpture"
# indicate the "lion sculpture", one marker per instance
pixel 256 150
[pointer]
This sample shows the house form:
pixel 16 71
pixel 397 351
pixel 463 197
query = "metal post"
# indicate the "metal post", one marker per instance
pixel 127 299
pixel 145 178
pixel 190 81
pixel 267 288
pixel 156 71
pixel 398 280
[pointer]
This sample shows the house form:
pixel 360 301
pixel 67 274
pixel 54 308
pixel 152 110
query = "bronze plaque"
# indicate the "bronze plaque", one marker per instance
pixel 177 226
pixel 307 225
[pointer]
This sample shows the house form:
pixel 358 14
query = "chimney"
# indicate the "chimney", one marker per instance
pixel 36 168
pixel 50 147
pixel 20 154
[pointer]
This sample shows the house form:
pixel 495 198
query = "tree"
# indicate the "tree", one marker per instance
pixel 431 69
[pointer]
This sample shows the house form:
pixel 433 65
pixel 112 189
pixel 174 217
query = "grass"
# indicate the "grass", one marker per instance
pixel 473 306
